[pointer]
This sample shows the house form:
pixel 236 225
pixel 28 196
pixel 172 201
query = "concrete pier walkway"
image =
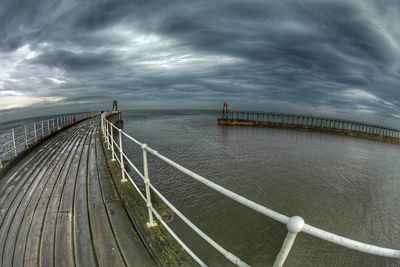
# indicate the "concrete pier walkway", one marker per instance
pixel 59 207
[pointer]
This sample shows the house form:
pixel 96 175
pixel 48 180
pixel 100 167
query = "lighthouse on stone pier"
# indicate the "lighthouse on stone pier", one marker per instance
pixel 115 106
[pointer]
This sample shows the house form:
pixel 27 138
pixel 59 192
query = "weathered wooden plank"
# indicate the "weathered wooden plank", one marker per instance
pixel 63 247
pixel 23 196
pixel 10 179
pixel 20 167
pixel 12 187
pixel 106 247
pixel 64 255
pixel 131 246
pixel 49 224
pixel 32 247
pixel 83 247
pixel 21 234
pixel 108 189
pixel 62 208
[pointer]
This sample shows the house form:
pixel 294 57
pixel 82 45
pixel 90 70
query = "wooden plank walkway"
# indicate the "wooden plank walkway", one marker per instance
pixel 59 207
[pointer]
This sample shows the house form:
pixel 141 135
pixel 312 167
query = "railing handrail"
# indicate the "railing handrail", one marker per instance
pixel 294 224
pixel 31 123
pixel 315 117
pixel 33 132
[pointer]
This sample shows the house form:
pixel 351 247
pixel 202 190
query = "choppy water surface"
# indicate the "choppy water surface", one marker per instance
pixel 345 185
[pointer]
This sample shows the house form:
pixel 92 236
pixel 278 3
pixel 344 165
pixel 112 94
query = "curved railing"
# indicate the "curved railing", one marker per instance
pixel 294 224
pixel 16 140
pixel 234 117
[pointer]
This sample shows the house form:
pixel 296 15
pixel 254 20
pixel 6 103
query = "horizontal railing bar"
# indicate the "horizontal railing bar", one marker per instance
pixel 132 139
pixel 284 219
pixel 33 132
pixel 154 211
pixel 19 137
pixel 134 185
pixel 6 143
pixel 230 256
pixel 118 160
pixel 7 152
pixel 191 253
pixel 248 203
pixel 115 127
pixel 133 166
pixel 173 234
pixel 315 117
pixel 116 145
pixel 66 118
pixel 349 243
pixel 10 130
pixel 311 230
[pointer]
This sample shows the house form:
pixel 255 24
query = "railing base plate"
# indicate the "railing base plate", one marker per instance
pixel 150 225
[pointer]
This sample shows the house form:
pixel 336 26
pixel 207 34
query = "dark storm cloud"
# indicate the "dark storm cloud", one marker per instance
pixel 71 61
pixel 337 58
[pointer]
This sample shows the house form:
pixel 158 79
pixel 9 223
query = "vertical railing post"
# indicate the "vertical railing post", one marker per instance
pixel 108 135
pixel 105 130
pixel 48 127
pixel 26 136
pixel 34 130
pixel 42 130
pixel 105 124
pixel 294 226
pixel 13 141
pixel 112 144
pixel 151 223
pixel 121 154
pixel 54 127
pixel 102 122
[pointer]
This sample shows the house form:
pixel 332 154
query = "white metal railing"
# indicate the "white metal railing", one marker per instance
pixel 14 141
pixel 294 224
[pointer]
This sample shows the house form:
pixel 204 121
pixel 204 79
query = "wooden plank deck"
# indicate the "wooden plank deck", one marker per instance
pixel 59 207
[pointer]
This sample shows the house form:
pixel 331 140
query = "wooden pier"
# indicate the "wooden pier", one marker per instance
pixel 64 201
pixel 311 123
pixel 60 207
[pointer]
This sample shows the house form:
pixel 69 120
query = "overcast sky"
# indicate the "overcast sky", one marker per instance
pixel 333 58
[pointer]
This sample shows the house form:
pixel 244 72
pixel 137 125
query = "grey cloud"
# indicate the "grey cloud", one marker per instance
pixel 307 56
pixel 72 61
